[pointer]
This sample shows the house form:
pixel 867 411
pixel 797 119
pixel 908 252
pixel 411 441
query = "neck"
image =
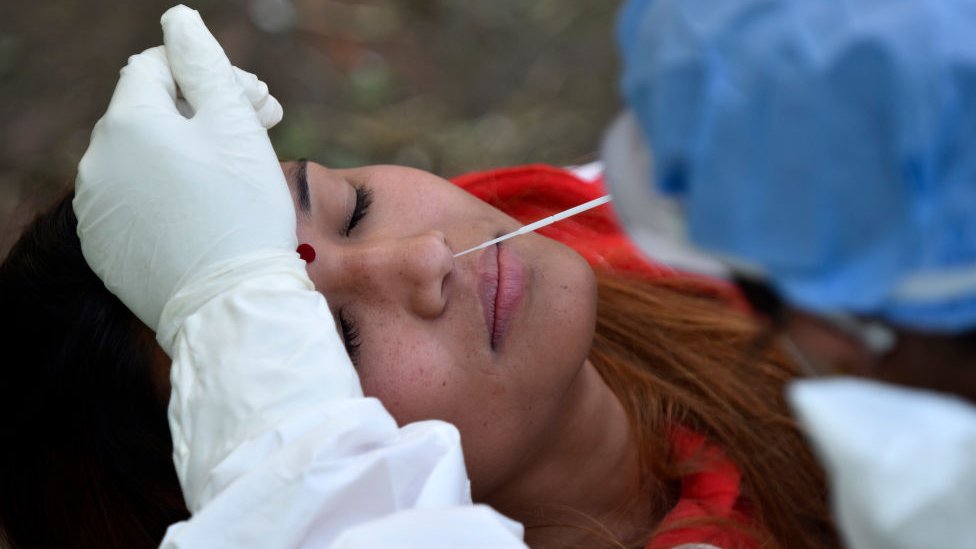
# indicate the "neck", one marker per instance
pixel 581 485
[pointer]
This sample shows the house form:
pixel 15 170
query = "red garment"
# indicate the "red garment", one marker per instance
pixel 712 492
pixel 529 193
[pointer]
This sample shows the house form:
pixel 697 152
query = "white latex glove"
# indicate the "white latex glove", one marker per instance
pixel 165 202
pixel 901 463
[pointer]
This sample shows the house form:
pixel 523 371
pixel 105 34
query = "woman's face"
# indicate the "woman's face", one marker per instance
pixel 490 341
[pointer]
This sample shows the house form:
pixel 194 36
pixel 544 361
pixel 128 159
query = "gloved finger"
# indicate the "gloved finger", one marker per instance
pixel 146 81
pixel 265 105
pixel 185 109
pixel 200 66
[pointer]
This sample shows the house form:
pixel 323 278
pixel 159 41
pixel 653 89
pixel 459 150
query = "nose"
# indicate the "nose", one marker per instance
pixel 410 270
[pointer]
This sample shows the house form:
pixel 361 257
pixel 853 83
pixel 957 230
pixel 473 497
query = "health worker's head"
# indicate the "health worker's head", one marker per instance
pixel 828 148
pixel 495 341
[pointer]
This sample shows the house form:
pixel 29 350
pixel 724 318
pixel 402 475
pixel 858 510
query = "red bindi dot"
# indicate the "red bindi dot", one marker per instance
pixel 306 252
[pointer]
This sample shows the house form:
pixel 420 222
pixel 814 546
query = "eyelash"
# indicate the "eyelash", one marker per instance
pixel 350 333
pixel 350 338
pixel 364 198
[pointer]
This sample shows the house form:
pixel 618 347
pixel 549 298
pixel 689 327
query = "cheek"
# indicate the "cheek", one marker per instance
pixel 410 374
pixel 417 376
pixel 557 334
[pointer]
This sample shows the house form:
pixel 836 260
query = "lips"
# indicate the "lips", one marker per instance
pixel 500 287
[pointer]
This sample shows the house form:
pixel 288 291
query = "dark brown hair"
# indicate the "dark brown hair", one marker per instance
pixel 87 451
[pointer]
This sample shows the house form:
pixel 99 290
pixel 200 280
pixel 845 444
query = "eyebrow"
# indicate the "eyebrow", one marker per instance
pixel 301 176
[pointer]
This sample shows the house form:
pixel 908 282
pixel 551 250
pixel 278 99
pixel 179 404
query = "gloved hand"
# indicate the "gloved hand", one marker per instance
pixel 165 202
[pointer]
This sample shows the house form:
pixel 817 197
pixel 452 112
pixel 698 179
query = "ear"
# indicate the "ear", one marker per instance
pixel 827 347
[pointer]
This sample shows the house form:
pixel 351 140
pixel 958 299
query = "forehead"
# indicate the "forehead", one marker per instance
pixel 397 192
pixel 307 180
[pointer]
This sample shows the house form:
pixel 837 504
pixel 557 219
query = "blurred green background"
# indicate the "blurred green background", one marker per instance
pixel 444 85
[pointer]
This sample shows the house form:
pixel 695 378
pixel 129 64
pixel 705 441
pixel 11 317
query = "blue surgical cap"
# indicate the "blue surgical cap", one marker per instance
pixel 832 143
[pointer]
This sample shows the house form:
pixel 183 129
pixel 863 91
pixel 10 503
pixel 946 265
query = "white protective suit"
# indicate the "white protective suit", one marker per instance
pixel 190 223
pixel 901 462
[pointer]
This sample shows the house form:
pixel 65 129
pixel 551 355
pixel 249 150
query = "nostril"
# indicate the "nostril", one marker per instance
pixel 441 238
pixel 441 262
pixel 442 251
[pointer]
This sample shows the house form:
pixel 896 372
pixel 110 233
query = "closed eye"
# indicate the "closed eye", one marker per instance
pixel 364 197
pixel 350 337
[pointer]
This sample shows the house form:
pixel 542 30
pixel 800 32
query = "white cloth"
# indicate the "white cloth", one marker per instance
pixel 901 463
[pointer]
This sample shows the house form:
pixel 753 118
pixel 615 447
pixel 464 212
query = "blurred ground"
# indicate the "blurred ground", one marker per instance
pixel 444 85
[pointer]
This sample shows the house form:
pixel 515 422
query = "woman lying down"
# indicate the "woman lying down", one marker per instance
pixel 593 399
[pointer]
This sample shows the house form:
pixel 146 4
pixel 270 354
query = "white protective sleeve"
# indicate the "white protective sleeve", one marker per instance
pixel 901 462
pixel 275 445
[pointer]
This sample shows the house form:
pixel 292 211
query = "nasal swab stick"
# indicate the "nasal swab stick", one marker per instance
pixel 541 223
